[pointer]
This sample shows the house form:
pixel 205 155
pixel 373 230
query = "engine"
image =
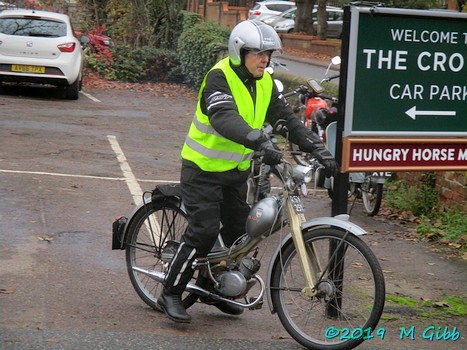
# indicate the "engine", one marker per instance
pixel 236 283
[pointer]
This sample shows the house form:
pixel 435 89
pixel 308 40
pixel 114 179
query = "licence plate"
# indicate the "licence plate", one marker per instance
pixel 297 204
pixel 27 69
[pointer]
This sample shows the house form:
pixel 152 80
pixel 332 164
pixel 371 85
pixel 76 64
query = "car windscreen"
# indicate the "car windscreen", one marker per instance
pixel 37 27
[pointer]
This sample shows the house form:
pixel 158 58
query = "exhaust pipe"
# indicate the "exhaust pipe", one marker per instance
pixel 193 288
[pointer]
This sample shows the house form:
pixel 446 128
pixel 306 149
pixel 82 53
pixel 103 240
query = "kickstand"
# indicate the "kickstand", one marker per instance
pixel 353 203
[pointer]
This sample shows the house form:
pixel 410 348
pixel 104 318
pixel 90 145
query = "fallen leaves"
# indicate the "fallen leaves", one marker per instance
pixel 7 290
pixel 93 80
pixel 45 238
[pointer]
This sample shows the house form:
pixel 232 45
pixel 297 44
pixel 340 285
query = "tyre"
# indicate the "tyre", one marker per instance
pixel 372 195
pixel 72 91
pixel 144 247
pixel 350 295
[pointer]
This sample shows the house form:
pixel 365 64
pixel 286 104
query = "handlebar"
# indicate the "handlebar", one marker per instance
pixel 303 89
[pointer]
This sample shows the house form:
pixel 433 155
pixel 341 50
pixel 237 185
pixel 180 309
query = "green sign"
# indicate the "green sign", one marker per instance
pixel 407 73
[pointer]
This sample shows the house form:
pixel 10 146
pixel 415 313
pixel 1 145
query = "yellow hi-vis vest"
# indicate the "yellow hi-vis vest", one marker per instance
pixel 207 148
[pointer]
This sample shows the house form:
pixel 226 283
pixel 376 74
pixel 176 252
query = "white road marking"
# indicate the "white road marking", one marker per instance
pixel 90 96
pixel 81 176
pixel 130 179
pixel 135 188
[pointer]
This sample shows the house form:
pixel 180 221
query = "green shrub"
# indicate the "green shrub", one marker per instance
pixel 447 224
pixel 198 48
pixel 420 200
pixel 156 64
pixel 125 66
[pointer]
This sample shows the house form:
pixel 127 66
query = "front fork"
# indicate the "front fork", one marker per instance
pixel 307 257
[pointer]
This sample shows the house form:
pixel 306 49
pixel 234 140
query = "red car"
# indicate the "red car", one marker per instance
pixel 98 42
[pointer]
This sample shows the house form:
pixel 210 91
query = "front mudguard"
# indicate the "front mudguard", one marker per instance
pixel 339 221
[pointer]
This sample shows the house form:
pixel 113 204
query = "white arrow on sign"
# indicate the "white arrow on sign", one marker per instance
pixel 413 113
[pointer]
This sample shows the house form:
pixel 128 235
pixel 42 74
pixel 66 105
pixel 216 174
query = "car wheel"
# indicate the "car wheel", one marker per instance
pixel 72 91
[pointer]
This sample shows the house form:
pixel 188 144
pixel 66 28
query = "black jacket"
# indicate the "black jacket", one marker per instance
pixel 225 119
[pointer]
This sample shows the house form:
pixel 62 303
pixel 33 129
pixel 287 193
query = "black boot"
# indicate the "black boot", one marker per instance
pixel 179 274
pixel 172 306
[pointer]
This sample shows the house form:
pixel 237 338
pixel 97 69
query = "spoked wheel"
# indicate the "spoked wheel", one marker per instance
pixel 153 235
pixel 350 291
pixel 372 195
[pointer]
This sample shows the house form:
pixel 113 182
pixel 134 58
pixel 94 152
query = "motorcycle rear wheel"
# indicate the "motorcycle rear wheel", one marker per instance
pixel 144 247
pixel 351 291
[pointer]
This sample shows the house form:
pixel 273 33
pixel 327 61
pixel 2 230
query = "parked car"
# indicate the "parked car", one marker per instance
pixel 274 19
pixel 39 47
pixel 263 9
pixel 335 22
pixel 335 17
pixel 97 42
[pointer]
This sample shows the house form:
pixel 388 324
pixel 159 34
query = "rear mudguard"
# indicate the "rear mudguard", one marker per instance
pixel 339 221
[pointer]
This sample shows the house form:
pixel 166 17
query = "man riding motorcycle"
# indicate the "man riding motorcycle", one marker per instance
pixel 235 99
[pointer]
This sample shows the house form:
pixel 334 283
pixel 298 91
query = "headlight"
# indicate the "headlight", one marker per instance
pixel 302 173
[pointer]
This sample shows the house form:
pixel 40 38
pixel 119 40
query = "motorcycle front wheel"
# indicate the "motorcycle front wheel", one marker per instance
pixel 350 291
pixel 153 235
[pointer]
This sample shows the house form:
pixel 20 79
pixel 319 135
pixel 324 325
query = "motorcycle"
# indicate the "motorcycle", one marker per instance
pixel 311 280
pixel 321 117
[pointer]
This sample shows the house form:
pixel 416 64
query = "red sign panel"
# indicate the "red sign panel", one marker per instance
pixel 404 154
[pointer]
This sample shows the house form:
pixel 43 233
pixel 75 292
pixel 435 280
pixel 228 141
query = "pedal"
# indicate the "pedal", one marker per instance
pixel 258 306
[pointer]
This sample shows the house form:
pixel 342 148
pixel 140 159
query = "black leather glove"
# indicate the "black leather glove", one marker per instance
pixel 328 161
pixel 272 156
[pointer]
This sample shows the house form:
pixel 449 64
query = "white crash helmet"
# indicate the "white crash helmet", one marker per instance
pixel 255 35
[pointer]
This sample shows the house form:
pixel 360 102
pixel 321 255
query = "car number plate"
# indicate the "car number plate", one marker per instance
pixel 297 204
pixel 27 69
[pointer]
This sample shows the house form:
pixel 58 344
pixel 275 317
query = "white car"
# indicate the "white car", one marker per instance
pixel 263 9
pixel 40 47
pixel 273 20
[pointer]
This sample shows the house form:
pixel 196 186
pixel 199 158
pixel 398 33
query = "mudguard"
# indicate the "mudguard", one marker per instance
pixel 338 221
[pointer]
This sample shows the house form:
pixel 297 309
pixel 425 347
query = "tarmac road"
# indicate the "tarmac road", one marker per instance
pixel 62 182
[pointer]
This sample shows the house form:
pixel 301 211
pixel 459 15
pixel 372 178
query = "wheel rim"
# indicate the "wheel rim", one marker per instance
pixel 310 319
pixel 144 251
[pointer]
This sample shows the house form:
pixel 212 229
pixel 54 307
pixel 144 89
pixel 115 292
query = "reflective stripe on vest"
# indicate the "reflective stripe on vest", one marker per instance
pixel 207 148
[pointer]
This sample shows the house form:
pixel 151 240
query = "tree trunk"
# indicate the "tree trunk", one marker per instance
pixel 322 20
pixel 303 20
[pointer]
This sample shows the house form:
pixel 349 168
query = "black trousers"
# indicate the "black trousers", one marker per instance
pixel 213 200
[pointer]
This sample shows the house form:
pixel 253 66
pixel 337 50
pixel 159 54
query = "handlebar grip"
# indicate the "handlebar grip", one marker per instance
pixel 291 93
